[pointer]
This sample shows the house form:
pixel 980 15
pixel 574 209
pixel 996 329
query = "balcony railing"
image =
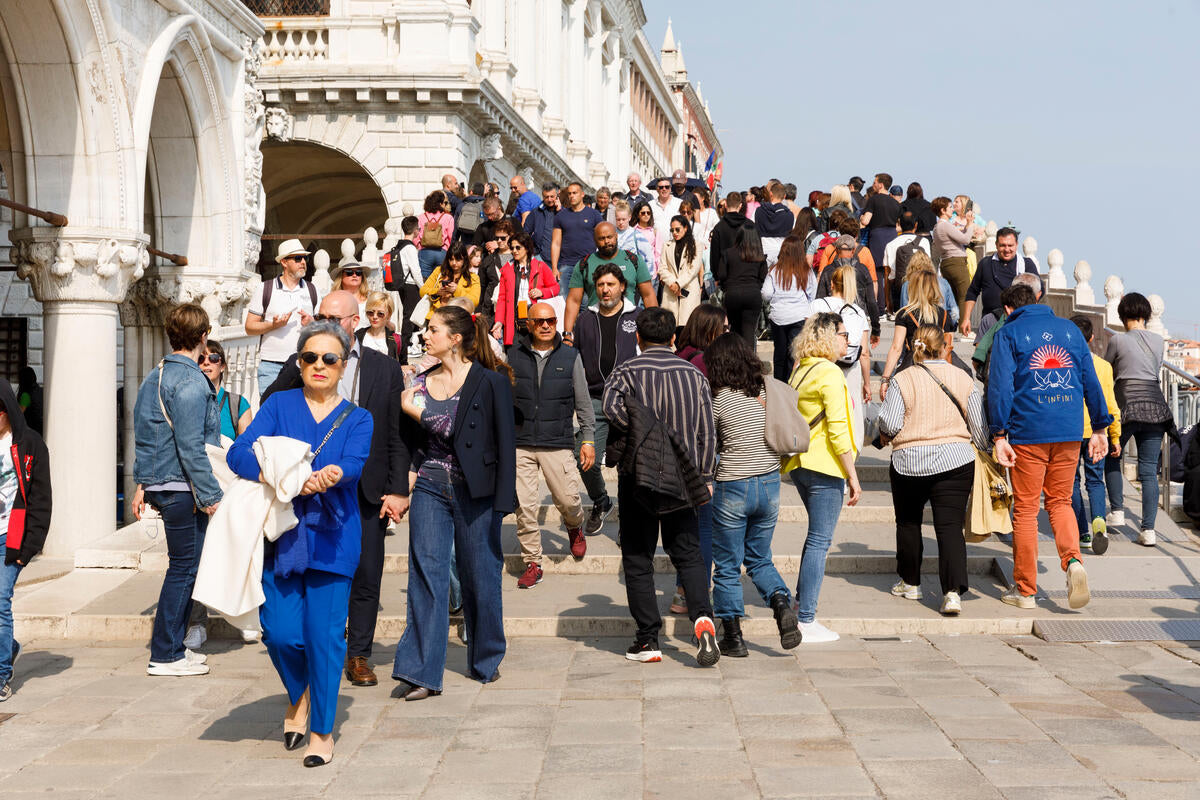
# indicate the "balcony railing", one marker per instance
pixel 288 8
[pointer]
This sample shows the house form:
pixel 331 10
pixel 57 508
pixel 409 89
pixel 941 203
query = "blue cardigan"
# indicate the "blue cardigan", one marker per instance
pixel 1041 376
pixel 337 549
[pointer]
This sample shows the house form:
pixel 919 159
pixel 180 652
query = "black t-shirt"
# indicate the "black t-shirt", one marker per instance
pixel 884 210
pixel 910 323
pixel 608 342
pixel 923 211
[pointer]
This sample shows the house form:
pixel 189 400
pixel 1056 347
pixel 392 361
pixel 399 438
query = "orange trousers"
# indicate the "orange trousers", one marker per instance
pixel 1048 468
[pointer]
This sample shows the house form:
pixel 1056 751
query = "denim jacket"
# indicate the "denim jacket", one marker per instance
pixel 162 455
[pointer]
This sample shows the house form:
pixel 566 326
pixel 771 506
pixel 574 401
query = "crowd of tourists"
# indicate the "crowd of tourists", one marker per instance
pixel 542 338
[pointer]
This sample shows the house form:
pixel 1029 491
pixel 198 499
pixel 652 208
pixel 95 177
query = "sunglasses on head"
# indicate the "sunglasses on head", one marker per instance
pixel 352 273
pixel 309 357
pixel 212 358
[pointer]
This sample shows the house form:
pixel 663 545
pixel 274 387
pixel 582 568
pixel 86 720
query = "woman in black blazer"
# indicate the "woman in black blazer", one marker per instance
pixel 463 478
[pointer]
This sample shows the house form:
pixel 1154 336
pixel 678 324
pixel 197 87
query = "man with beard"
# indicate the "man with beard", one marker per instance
pixel 582 287
pixel 607 337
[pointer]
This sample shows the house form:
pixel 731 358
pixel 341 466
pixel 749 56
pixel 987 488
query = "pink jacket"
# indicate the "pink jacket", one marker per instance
pixel 446 221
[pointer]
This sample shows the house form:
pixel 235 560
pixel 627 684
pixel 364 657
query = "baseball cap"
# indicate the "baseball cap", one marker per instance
pixel 845 243
pixel 678 176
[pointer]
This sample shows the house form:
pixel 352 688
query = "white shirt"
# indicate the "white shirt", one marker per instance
pixel 378 343
pixel 348 385
pixel 889 252
pixel 662 216
pixel 280 343
pixel 8 484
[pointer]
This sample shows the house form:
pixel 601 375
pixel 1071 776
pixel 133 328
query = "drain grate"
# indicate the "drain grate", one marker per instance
pixel 1118 630
pixel 1183 593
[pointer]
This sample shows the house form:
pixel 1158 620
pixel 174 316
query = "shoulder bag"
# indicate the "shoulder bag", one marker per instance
pixel 786 430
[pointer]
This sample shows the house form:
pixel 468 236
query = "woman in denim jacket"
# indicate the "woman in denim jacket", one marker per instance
pixel 175 416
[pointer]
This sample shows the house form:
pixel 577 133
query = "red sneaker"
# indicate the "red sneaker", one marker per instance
pixel 530 578
pixel 578 542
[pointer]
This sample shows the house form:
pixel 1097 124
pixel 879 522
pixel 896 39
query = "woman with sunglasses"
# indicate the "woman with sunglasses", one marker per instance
pixel 451 279
pixel 233 420
pixel 681 272
pixel 307 571
pixel 493 264
pixel 463 478
pixel 648 244
pixel 523 281
pixel 351 276
pixel 379 335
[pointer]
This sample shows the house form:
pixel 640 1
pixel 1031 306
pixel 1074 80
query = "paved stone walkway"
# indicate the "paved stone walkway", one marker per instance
pixel 939 716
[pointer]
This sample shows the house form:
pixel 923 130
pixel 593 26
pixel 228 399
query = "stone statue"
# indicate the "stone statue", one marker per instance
pixel 1114 290
pixel 1084 295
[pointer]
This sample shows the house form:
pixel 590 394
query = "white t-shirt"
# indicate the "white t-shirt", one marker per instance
pixel 374 342
pixel 280 343
pixel 854 318
pixel 889 252
pixel 8 484
pixel 662 217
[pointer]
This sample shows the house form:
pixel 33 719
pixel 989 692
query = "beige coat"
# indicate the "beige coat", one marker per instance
pixel 689 276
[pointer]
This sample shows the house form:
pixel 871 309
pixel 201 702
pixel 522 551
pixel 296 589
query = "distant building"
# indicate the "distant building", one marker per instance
pixel 1185 354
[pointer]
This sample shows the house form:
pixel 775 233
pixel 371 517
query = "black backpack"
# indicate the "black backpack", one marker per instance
pixel 393 273
pixel 469 217
pixel 269 288
pixel 904 254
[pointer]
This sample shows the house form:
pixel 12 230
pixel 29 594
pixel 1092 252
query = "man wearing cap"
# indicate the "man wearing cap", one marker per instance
pixel 680 190
pixel 844 254
pixel 279 309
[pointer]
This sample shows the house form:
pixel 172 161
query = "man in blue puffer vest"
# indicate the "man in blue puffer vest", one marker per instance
pixel 1041 376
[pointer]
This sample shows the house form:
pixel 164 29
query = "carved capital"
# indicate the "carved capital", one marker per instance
pixel 85 264
pixel 224 297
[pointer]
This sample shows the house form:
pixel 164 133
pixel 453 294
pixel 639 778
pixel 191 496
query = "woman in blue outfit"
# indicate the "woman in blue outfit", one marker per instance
pixel 463 482
pixel 308 570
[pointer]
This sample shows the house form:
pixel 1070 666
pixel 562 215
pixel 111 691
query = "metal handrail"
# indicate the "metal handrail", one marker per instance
pixel 1192 379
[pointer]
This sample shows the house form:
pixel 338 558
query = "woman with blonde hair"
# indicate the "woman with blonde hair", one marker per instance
pixel 379 334
pixel 924 307
pixel 921 262
pixel 856 364
pixel 931 417
pixel 822 472
pixel 351 276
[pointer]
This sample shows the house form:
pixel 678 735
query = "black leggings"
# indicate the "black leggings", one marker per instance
pixel 947 493
pixel 782 336
pixel 743 304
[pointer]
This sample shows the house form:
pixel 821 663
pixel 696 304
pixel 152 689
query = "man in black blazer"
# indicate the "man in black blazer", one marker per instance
pixel 374 382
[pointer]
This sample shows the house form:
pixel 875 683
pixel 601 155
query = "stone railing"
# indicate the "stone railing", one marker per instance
pixel 301 42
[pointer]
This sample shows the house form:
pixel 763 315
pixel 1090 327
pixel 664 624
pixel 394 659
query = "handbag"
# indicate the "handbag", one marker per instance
pixel 991 493
pixel 786 430
pixel 420 311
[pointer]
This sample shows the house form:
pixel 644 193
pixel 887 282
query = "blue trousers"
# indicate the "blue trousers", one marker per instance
pixel 822 498
pixel 8 645
pixel 304 629
pixel 1093 481
pixel 1149 448
pixel 430 260
pixel 443 514
pixel 268 371
pixel 184 528
pixel 743 523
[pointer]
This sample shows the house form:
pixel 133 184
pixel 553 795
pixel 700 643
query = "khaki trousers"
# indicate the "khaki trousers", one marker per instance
pixel 562 476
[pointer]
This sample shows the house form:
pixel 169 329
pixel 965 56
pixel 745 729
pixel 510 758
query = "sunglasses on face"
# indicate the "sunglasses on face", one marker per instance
pixel 212 358
pixel 501 238
pixel 352 273
pixel 327 318
pixel 540 321
pixel 329 359
pixel 377 313
pixel 676 229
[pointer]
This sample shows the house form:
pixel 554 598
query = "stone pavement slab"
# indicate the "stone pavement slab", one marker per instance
pixel 571 718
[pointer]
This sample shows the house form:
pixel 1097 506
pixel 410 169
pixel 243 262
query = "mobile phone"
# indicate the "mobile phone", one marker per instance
pixel 684 292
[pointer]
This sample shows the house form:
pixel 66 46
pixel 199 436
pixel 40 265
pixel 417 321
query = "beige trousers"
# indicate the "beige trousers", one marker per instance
pixel 562 477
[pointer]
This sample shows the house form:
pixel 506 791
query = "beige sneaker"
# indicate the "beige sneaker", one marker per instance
pixel 908 591
pixel 1014 598
pixel 1147 538
pixel 1078 593
pixel 951 604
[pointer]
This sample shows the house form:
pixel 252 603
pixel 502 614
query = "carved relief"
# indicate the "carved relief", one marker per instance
pixel 62 264
pixel 279 124
pixel 254 197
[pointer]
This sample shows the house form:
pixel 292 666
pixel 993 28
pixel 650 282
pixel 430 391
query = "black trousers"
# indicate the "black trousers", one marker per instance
pixel 364 589
pixel 743 304
pixel 782 336
pixel 409 297
pixel 639 539
pixel 947 493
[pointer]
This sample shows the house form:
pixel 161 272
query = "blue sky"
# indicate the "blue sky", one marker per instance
pixel 1078 121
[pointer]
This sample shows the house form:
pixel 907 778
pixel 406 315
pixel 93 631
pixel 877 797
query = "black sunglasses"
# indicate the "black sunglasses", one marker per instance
pixel 327 318
pixel 309 357
pixel 213 358
pixel 353 272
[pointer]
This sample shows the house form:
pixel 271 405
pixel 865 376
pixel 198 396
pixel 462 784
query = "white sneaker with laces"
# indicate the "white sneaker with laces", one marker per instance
pixel 181 668
pixel 951 604
pixel 816 633
pixel 196 636
pixel 908 591
pixel 1115 518
pixel 1147 538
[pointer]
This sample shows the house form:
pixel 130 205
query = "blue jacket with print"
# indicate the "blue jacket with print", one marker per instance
pixel 1040 377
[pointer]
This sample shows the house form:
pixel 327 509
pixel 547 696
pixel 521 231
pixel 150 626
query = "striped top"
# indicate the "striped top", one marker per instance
pixel 676 392
pixel 741 421
pixel 932 459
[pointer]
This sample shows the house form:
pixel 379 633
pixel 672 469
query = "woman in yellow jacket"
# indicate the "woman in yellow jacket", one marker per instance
pixel 821 473
pixel 1095 533
pixel 451 279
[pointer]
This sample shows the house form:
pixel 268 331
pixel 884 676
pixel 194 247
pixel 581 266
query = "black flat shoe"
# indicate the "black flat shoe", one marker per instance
pixel 292 740
pixel 316 761
pixel 419 693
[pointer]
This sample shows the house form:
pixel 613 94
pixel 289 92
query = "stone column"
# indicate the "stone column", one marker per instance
pixel 79 275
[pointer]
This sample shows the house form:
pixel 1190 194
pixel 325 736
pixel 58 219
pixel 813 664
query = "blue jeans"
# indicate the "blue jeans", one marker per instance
pixel 743 522
pixel 268 371
pixel 184 526
pixel 1149 448
pixel 430 260
pixel 8 645
pixel 564 276
pixel 822 498
pixel 442 513
pixel 1093 475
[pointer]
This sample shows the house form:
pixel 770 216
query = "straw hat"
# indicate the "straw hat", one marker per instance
pixel 350 262
pixel 290 247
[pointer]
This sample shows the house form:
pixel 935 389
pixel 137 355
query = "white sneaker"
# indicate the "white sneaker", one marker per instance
pixel 1078 593
pixel 951 604
pixel 195 658
pixel 249 636
pixel 1147 538
pixel 196 636
pixel 907 590
pixel 1014 597
pixel 1115 518
pixel 816 633
pixel 182 667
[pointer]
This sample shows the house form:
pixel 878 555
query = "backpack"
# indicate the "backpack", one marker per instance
pixel 904 254
pixel 852 354
pixel 269 288
pixel 587 273
pixel 825 240
pixel 395 281
pixel 431 234
pixel 470 216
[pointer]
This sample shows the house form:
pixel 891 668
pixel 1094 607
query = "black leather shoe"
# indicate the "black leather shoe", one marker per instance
pixel 292 740
pixel 419 693
pixel 316 761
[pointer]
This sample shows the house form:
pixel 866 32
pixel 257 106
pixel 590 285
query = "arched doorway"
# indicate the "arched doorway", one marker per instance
pixel 318 195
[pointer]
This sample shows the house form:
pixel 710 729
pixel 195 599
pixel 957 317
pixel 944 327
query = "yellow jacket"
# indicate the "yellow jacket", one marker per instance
pixel 433 283
pixel 823 387
pixel 1104 373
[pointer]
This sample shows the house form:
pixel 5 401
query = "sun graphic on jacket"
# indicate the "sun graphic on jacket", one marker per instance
pixel 1051 356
